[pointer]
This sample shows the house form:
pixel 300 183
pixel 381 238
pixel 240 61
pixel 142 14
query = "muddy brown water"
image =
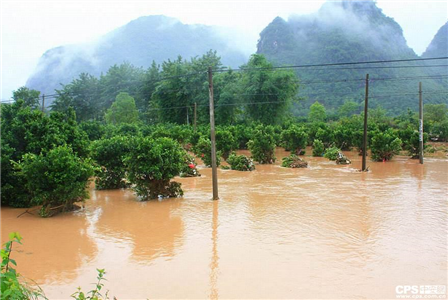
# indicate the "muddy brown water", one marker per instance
pixel 322 232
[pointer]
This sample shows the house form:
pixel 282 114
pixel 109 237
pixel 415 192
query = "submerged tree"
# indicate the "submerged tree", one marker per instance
pixel 109 155
pixel 56 180
pixel 151 164
pixel 385 145
pixel 262 144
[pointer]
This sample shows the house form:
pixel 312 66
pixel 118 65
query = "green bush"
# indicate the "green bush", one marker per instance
pixel 204 150
pixel 332 153
pixel 385 145
pixel 294 161
pixel 225 142
pixel 242 135
pixel 94 129
pixel 151 164
pixel 240 162
pixel 318 148
pixel 295 139
pixel 55 179
pixel 262 145
pixel 109 155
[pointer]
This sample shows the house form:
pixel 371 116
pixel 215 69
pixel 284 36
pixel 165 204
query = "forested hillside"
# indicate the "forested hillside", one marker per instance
pixel 343 32
pixel 140 42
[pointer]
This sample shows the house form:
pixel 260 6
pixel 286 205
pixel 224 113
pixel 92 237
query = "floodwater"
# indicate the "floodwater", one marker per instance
pixel 327 231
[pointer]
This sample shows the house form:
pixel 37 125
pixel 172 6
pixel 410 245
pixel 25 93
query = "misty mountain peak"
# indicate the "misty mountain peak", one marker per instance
pixel 439 44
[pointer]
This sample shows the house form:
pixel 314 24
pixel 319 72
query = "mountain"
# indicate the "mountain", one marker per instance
pixel 348 31
pixel 439 44
pixel 146 39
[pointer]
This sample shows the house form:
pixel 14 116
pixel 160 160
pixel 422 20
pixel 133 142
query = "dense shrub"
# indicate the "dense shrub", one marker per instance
pixel 385 145
pixel 151 164
pixel 225 142
pixel 294 139
pixel 262 145
pixel 242 135
pixel 318 148
pixel 55 179
pixel 240 162
pixel 94 129
pixel 109 155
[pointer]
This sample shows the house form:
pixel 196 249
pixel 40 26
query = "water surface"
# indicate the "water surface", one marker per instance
pixel 327 231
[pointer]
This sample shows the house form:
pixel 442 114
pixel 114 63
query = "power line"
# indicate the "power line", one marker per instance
pixel 334 64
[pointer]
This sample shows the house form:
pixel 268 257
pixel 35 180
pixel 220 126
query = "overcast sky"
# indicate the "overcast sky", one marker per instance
pixel 29 28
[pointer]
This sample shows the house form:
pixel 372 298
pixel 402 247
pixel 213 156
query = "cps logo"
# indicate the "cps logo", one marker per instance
pixel 407 289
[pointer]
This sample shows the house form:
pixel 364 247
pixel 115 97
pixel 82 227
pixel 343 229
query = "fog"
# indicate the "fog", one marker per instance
pixel 30 28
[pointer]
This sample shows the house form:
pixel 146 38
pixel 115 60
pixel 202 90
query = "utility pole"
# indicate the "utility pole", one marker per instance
pixel 43 102
pixel 195 115
pixel 364 146
pixel 420 127
pixel 212 135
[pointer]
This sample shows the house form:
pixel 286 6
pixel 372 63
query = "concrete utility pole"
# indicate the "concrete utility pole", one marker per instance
pixel 420 127
pixel 212 135
pixel 364 146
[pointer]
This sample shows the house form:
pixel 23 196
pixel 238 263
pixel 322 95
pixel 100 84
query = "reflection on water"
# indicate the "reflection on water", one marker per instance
pixel 327 231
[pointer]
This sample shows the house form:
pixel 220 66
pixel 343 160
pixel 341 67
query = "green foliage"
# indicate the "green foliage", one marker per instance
pixel 294 138
pixel 30 98
pixel 262 144
pixel 13 285
pixel 151 163
pixel 317 113
pixel 55 179
pixel 332 153
pixel 204 150
pixel 94 294
pixel 225 142
pixel 385 145
pixel 109 155
pixel 294 161
pixel 7 179
pixel 318 148
pixel 242 135
pixel 122 111
pixel 348 109
pixel 94 129
pixel 30 131
pixel 240 162
pixel 82 95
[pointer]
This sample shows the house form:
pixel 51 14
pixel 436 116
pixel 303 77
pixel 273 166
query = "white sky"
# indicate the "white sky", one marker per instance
pixel 29 28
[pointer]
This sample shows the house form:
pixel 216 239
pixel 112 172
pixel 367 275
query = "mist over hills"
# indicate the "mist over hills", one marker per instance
pixel 140 42
pixel 343 32
pixel 339 32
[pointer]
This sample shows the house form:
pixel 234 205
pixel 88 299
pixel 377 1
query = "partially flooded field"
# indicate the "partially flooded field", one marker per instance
pixel 327 231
